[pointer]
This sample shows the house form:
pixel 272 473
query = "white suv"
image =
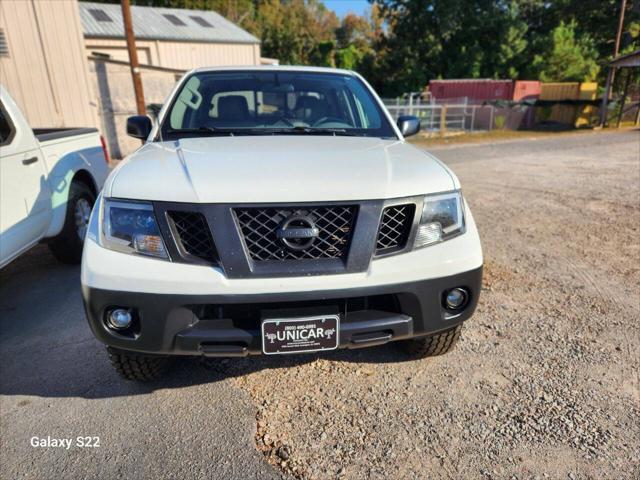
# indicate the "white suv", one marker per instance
pixel 277 210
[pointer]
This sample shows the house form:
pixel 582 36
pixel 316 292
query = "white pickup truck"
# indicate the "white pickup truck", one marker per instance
pixel 277 210
pixel 49 180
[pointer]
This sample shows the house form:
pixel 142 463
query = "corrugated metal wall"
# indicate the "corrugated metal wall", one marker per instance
pixel 46 70
pixel 559 91
pixel 526 90
pixel 475 91
pixel 192 55
pixel 568 114
pixel 588 91
pixel 181 55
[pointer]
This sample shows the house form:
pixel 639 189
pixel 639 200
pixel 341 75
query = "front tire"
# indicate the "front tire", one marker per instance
pixel 67 246
pixel 433 345
pixel 137 366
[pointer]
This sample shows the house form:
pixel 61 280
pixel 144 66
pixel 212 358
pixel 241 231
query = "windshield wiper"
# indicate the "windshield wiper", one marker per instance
pixel 328 131
pixel 203 130
pixel 300 130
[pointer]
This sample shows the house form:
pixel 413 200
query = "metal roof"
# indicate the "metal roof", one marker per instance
pixel 154 23
pixel 629 60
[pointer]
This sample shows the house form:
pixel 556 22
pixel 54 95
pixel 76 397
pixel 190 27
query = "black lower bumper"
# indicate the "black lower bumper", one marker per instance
pixel 229 325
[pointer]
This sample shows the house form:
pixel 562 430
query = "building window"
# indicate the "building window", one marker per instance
pixel 175 20
pixel 201 21
pixel 99 15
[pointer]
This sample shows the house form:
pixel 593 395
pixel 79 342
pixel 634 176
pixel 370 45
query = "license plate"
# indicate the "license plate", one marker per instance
pixel 295 335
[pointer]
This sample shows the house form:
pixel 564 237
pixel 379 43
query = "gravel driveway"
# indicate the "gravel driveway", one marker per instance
pixel 544 383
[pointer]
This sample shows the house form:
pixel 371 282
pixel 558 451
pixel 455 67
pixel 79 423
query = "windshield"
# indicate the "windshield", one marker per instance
pixel 271 103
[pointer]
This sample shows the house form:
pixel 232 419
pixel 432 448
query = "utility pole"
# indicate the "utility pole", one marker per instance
pixel 612 70
pixel 133 57
pixel 623 6
pixel 616 47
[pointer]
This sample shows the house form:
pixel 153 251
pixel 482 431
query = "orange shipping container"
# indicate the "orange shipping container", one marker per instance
pixel 526 90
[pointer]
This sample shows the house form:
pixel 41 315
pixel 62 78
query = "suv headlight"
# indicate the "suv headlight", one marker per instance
pixel 442 219
pixel 131 228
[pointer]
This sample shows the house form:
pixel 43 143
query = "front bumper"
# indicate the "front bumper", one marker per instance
pixel 205 324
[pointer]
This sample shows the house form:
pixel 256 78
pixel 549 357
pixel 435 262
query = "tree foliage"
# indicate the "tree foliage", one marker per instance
pixel 566 58
pixel 295 31
pixel 401 44
pixel 553 40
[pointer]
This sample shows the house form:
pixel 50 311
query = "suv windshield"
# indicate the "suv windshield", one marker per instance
pixel 272 103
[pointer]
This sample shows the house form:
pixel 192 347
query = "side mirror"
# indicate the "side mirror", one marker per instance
pixel 139 126
pixel 408 125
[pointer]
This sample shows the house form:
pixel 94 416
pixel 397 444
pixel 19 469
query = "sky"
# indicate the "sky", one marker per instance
pixel 342 7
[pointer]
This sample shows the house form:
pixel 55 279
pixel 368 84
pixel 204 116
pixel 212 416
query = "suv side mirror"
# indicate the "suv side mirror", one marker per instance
pixel 139 126
pixel 408 125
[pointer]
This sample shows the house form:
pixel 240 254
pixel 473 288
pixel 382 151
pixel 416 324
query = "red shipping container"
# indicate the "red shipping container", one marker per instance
pixel 475 90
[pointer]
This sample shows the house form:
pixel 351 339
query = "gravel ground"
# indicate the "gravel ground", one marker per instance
pixel 544 383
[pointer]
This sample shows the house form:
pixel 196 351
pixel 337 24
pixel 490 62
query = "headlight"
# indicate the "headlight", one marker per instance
pixel 442 219
pixel 131 228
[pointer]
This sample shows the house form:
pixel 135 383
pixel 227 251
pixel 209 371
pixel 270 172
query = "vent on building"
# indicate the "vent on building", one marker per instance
pixel 175 20
pixel 4 47
pixel 201 21
pixel 100 15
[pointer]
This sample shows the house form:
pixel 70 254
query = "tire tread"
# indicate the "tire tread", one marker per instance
pixel 137 366
pixel 433 345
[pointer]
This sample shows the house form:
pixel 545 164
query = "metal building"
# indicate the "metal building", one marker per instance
pixel 169 41
pixel 168 37
pixel 44 65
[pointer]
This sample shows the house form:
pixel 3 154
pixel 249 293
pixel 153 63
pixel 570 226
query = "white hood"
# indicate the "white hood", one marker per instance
pixel 269 169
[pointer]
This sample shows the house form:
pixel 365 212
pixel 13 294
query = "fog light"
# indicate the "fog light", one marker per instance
pixel 456 298
pixel 119 319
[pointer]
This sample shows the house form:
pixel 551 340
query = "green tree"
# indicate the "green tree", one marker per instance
pixel 594 20
pixel 452 39
pixel 567 58
pixel 356 39
pixel 295 31
pixel 427 39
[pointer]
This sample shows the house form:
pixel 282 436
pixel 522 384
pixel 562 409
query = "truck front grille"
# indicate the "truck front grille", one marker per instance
pixel 191 232
pixel 259 227
pixel 395 228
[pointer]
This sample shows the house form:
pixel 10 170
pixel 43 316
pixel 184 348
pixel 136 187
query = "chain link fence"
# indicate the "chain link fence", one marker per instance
pixel 459 115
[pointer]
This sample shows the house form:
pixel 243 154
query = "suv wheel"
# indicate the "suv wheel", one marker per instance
pixel 67 246
pixel 433 345
pixel 137 366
